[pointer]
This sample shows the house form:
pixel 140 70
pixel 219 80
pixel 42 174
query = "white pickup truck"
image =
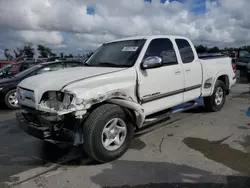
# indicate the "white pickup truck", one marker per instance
pixel 125 85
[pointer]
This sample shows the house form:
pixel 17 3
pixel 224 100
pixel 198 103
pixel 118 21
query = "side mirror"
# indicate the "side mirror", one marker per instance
pixel 151 62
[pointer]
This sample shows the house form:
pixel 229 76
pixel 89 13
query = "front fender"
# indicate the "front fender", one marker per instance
pixel 137 108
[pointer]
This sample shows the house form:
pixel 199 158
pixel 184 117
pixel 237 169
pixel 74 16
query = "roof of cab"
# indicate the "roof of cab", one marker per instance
pixel 149 37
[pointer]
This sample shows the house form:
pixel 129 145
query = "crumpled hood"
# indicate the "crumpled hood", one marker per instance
pixel 56 80
pixel 89 85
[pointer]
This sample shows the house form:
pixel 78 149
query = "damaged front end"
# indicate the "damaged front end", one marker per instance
pixel 61 103
pixel 54 118
pixel 59 116
pixel 51 127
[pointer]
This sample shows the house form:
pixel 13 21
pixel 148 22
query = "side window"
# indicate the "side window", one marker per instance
pixel 164 49
pixel 187 54
pixel 49 68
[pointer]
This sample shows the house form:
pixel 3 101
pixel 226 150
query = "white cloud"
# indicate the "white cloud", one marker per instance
pixel 41 37
pixel 226 22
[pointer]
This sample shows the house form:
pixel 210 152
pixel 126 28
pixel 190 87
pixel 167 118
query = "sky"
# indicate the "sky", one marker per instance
pixel 80 26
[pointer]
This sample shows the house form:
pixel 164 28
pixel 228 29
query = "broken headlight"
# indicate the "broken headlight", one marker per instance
pixel 57 100
pixel 67 99
pixel 59 96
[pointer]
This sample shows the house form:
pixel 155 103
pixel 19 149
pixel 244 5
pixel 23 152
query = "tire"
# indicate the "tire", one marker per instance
pixel 210 102
pixel 11 94
pixel 94 137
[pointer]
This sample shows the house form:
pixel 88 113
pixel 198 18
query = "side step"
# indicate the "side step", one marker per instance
pixel 163 115
pixel 157 117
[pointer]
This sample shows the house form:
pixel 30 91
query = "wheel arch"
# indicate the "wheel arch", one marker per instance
pixel 132 109
pixel 225 79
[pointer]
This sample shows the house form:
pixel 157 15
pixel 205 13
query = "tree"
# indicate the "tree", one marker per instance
pixel 214 50
pixel 7 54
pixel 28 51
pixel 18 52
pixel 88 55
pixel 201 49
pixel 45 52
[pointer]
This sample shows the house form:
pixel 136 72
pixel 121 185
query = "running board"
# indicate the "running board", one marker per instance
pixel 157 117
pixel 163 115
pixel 184 108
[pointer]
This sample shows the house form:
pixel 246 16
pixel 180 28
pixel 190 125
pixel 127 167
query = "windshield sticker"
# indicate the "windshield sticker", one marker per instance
pixel 130 49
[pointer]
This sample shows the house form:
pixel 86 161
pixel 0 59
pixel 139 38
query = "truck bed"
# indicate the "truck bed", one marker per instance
pixel 213 67
pixel 211 56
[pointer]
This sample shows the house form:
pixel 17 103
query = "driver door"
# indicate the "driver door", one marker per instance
pixel 161 88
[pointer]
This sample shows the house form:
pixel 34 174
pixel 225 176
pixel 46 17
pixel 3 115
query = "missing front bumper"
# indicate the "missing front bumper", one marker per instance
pixel 32 128
pixel 50 133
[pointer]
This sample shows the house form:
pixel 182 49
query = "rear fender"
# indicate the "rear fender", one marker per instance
pixel 226 81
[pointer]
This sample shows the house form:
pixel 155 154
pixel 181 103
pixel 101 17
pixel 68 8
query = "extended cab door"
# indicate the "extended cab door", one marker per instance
pixel 192 70
pixel 161 88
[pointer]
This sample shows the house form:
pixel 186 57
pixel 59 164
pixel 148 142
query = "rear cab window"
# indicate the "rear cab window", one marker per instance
pixel 163 48
pixel 185 49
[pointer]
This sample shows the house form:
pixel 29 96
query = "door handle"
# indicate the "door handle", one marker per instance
pixel 187 70
pixel 178 72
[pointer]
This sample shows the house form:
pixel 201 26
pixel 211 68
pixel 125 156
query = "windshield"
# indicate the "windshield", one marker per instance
pixel 27 71
pixel 117 54
pixel 243 53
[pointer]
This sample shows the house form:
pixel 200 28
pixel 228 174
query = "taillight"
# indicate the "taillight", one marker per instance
pixel 234 67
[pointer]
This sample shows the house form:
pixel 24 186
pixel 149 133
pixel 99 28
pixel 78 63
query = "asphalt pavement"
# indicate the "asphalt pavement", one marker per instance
pixel 192 149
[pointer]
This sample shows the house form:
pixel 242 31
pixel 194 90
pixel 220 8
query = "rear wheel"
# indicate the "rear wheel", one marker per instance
pixel 107 133
pixel 216 101
pixel 11 99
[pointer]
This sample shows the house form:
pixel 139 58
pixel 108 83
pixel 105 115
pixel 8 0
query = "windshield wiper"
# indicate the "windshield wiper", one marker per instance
pixel 108 64
pixel 86 64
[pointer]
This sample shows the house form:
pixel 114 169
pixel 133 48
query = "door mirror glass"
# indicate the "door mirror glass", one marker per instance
pixel 151 62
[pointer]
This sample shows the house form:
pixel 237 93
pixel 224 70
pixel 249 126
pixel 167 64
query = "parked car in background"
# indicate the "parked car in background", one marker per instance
pixel 12 69
pixel 242 59
pixel 5 62
pixel 125 85
pixel 8 85
pixel 4 70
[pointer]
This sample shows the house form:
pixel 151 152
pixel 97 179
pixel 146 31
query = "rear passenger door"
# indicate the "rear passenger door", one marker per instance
pixel 192 70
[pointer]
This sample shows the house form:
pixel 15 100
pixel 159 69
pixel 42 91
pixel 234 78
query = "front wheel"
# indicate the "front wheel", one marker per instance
pixel 216 101
pixel 107 133
pixel 11 99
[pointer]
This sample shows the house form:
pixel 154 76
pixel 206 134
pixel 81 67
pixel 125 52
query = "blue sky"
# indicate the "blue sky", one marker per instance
pixel 197 7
